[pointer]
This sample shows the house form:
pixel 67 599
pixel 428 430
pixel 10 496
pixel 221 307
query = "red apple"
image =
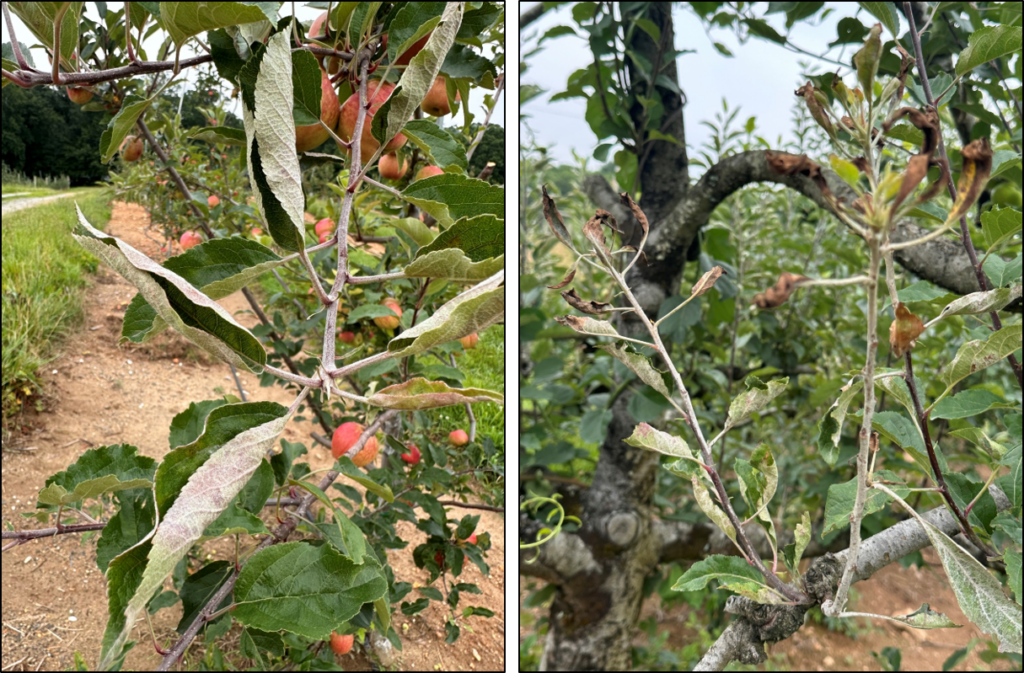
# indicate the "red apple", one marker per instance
pixel 190 239
pixel 413 457
pixel 439 558
pixel 341 644
pixel 471 539
pixel 458 437
pixel 257 232
pixel 213 201
pixel 389 321
pixel 324 225
pixel 326 236
pixel 79 95
pixel 347 337
pixel 390 169
pixel 428 172
pixel 377 94
pixel 470 340
pixel 313 135
pixel 416 47
pixel 435 103
pixel 318 31
pixel 345 437
pixel 131 148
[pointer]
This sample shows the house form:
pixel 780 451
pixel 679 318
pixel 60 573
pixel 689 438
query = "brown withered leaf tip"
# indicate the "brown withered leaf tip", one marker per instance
pixel 635 209
pixel 707 281
pixel 777 295
pixel 904 330
pixel 580 304
pixel 554 218
pixel 568 279
pixel 861 163
pixel 906 61
pixel 977 166
pixel 782 163
pixel 592 229
pixel 927 120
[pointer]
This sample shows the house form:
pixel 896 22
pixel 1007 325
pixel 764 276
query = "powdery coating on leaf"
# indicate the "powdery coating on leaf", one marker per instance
pixel 186 19
pixel 274 127
pixel 646 437
pixel 976 355
pixel 474 310
pixel 982 302
pixel 640 365
pixel 419 393
pixel 587 325
pixel 926 618
pixel 978 593
pixel 452 264
pixel 734 573
pixel 580 304
pixel 208 493
pixel 753 400
pixel 139 270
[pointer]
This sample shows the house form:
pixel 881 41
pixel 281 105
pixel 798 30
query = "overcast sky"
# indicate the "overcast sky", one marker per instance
pixel 152 45
pixel 760 78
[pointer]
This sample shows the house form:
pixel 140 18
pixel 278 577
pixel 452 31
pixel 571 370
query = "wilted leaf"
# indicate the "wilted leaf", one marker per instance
pixel 977 166
pixel 706 282
pixel 753 400
pixel 982 302
pixel 867 57
pixel 590 307
pixel 778 294
pixel 419 393
pixel 587 325
pixel 904 330
pixel 554 218
pixel 568 277
pixel 641 366
pixel 926 618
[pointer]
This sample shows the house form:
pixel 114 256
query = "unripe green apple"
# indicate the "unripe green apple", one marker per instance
pixel 1007 194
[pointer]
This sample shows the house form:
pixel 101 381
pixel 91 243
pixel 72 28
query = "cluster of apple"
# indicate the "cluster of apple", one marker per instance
pixel 341 116
pixel 347 434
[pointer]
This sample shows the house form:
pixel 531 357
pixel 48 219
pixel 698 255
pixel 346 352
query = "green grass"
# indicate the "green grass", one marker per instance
pixel 44 275
pixel 484 367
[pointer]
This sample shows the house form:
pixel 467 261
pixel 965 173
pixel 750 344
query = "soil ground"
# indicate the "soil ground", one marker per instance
pixel 54 596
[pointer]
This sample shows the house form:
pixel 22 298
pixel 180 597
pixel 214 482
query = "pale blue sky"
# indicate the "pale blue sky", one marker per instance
pixel 760 77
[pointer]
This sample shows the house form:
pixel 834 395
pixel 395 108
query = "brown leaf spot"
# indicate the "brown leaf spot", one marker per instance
pixel 904 330
pixel 778 294
pixel 583 305
pixel 707 281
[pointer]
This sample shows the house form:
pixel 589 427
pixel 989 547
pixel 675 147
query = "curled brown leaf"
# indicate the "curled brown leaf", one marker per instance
pixel 778 294
pixel 635 209
pixel 977 166
pixel 565 281
pixel 586 306
pixel 554 218
pixel 906 62
pixel 798 164
pixel 815 107
pixel 904 330
pixel 707 281
pixel 927 120
pixel 593 231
